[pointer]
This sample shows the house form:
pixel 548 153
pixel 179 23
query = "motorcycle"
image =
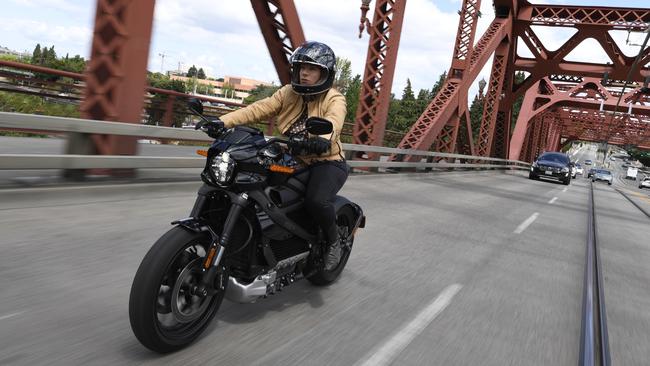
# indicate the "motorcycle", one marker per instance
pixel 246 237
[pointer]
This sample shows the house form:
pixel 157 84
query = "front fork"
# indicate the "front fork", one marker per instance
pixel 212 265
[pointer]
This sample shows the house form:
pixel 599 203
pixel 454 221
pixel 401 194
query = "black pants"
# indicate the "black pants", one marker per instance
pixel 325 180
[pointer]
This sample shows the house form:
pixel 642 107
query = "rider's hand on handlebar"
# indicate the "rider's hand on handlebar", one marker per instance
pixel 212 128
pixel 314 145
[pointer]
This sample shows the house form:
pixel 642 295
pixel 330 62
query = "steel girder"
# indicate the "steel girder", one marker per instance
pixel 589 22
pixel 586 96
pixel 450 104
pixel 492 101
pixel 280 26
pixel 374 98
pixel 116 74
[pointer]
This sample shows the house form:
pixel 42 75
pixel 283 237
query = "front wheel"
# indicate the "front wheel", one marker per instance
pixel 166 313
pixel 345 222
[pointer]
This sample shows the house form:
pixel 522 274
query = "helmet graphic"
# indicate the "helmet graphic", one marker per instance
pixel 318 54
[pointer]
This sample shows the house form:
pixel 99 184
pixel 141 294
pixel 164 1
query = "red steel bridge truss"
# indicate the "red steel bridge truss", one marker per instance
pixel 563 101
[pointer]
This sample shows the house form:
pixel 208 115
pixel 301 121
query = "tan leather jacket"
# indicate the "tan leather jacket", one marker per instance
pixel 286 105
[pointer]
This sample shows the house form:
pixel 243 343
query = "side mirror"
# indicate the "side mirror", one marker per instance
pixel 195 105
pixel 318 126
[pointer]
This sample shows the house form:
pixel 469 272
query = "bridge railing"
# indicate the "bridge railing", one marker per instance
pixel 28 122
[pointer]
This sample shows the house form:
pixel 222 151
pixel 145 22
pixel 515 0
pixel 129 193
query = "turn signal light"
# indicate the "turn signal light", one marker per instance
pixel 281 169
pixel 202 152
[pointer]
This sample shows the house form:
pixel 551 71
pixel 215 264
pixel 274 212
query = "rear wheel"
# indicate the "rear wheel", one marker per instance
pixel 166 313
pixel 345 222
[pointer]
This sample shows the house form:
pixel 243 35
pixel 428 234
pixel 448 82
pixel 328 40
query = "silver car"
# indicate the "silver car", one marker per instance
pixel 604 175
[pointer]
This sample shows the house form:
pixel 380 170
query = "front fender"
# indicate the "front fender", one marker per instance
pixel 195 225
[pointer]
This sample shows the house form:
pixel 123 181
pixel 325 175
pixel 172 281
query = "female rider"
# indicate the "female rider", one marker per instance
pixel 310 94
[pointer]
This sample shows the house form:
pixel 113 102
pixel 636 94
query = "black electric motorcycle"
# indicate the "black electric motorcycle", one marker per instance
pixel 247 237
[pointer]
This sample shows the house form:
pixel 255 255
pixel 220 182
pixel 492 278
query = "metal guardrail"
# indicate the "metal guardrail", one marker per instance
pixel 77 125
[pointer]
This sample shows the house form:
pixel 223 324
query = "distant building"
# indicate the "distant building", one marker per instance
pixel 236 90
pixel 7 51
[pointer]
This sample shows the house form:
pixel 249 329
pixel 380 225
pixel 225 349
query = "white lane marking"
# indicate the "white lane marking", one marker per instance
pixel 565 189
pixel 520 229
pixel 552 200
pixel 10 315
pixel 386 353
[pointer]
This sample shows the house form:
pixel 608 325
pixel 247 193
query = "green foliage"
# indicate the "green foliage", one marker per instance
pixel 47 58
pixel 21 103
pixel 438 85
pixel 192 72
pixel 228 89
pixel 36 54
pixel 516 106
pixel 13 58
pixel 162 81
pixel 261 92
pixel 201 74
pixel 352 98
pixel 156 109
pixel 475 116
pixel 642 156
pixel 343 76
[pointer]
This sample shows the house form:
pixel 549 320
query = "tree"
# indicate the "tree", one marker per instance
pixel 424 97
pixel 201 74
pixel 407 94
pixel 352 98
pixel 227 89
pixel 192 72
pixel 475 116
pixel 36 55
pixel 343 75
pixel 260 92
pixel 156 108
pixel 438 85
pixel 516 106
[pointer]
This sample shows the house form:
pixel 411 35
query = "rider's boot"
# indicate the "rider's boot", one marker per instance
pixel 333 253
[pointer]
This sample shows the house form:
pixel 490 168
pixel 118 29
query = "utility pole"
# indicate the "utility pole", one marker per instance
pixel 162 61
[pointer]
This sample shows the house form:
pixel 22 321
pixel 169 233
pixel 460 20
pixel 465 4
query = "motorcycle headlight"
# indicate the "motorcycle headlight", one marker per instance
pixel 222 168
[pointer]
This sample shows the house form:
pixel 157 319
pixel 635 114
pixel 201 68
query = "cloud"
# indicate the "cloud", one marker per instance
pixel 58 5
pixel 75 38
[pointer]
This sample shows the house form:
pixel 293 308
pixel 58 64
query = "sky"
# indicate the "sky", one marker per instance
pixel 223 37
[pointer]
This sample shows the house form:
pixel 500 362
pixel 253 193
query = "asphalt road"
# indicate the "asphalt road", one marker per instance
pixel 452 269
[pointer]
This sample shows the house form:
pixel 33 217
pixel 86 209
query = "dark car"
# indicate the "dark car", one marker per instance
pixel 554 165
pixel 602 174
pixel 591 172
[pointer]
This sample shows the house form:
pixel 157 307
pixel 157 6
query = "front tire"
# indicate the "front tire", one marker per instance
pixel 345 222
pixel 164 315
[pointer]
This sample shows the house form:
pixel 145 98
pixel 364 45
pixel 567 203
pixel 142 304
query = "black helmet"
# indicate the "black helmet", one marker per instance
pixel 314 53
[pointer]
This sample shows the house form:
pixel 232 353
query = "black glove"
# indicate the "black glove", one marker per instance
pixel 313 145
pixel 212 128
pixel 317 145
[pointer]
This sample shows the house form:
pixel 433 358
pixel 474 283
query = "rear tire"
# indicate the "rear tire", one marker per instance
pixel 345 221
pixel 160 316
